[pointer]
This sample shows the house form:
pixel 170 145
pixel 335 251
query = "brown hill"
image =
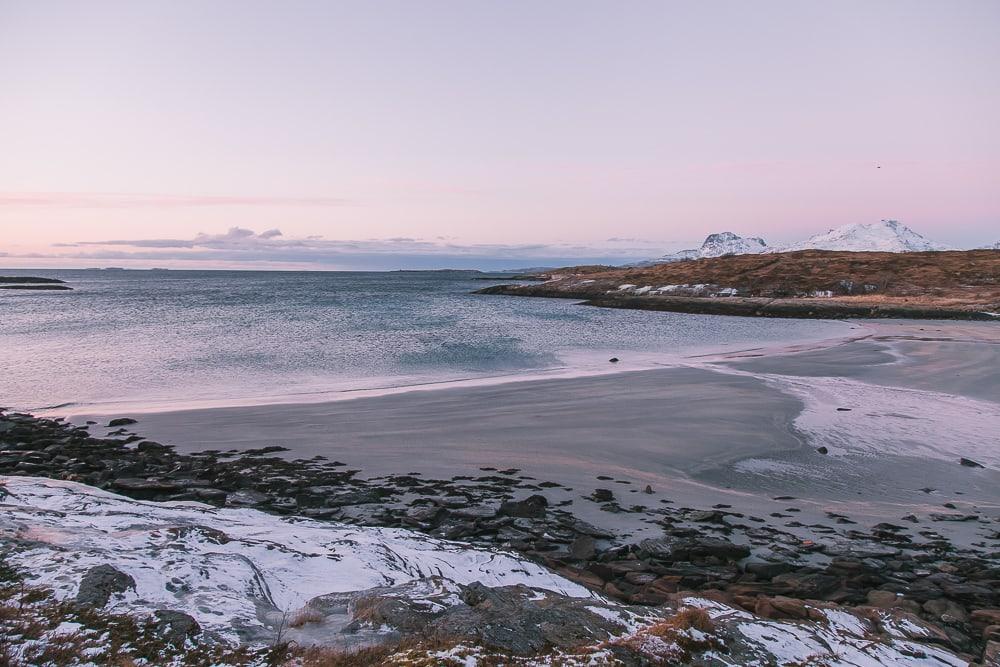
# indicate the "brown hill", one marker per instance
pixel 919 284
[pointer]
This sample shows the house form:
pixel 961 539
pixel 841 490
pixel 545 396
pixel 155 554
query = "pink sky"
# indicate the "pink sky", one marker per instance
pixel 518 129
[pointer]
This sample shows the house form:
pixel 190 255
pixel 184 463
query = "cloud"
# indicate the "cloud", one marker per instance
pixel 131 200
pixel 244 246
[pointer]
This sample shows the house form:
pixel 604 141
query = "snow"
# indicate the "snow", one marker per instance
pixel 229 567
pixel 717 245
pixel 844 641
pixel 883 236
pixel 892 420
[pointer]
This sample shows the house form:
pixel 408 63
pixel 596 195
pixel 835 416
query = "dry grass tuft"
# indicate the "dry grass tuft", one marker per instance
pixel 304 616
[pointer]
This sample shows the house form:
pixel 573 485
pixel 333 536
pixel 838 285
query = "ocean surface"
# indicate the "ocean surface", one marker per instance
pixel 156 340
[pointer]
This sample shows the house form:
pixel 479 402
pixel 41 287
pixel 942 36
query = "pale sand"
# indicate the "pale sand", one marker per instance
pixel 733 429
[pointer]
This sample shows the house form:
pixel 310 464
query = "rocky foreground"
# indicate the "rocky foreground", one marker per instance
pixel 289 554
pixel 962 285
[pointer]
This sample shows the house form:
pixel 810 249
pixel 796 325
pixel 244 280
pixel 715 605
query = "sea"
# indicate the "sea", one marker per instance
pixel 172 339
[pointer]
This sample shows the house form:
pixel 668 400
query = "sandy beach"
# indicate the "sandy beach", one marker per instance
pixel 898 404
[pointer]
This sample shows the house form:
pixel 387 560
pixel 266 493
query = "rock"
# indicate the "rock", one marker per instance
pixel 991 654
pixel 582 548
pixel 945 610
pixel 603 495
pixel 688 548
pixel 822 450
pixel 145 489
pixel 532 507
pixel 246 498
pixel 522 621
pixel 648 489
pixel 175 626
pixel 969 463
pixel 100 583
pixel 780 607
pixel 768 570
pixel 808 585
pixel 882 599
pixel 121 421
pixel 613 360
pixel 984 617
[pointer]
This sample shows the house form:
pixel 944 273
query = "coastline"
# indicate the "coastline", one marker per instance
pixel 721 493
pixel 575 364
pixel 796 308
pixel 744 425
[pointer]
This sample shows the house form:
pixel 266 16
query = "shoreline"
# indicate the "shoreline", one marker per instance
pixel 736 306
pixel 771 527
pixel 584 363
pixel 742 424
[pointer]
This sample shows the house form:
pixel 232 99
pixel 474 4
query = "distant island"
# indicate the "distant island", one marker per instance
pixel 32 283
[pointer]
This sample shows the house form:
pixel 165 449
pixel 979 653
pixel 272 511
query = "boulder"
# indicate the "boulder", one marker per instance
pixel 100 583
pixel 121 421
pixel 175 626
pixel 688 548
pixel 532 507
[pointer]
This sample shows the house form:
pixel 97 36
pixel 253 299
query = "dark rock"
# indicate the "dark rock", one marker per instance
pixel 532 507
pixel 603 495
pixel 100 583
pixel 517 620
pixel 175 626
pixel 613 360
pixel 582 548
pixel 822 450
pixel 121 421
pixel 687 548
pixel 969 463
pixel 145 489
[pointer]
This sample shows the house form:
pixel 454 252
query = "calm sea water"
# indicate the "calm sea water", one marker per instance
pixel 145 339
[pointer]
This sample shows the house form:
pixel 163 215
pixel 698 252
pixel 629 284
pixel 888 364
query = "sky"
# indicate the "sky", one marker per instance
pixel 382 134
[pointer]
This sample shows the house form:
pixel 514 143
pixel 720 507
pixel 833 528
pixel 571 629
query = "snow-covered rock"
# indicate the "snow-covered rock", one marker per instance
pixel 717 245
pixel 247 576
pixel 238 572
pixel 883 236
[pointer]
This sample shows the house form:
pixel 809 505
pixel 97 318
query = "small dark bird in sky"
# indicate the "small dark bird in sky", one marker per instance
pixel 878 166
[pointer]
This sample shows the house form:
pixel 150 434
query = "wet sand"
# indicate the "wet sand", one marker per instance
pixel 659 422
pixel 896 408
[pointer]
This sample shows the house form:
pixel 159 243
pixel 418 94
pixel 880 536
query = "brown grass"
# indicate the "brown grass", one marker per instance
pixel 304 616
pixel 965 276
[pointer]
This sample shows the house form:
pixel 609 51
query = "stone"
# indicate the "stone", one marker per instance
pixel 687 548
pixel 175 626
pixel 100 583
pixel 145 489
pixel 969 463
pixel 882 599
pixel 532 507
pixel 121 421
pixel 945 610
pixel 583 548
pixel 603 495
pixel 983 617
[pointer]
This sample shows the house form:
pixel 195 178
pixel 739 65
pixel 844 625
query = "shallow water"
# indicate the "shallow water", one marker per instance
pixel 184 338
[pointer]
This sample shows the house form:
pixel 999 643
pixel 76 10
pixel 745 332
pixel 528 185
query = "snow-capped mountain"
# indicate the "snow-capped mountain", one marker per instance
pixel 717 245
pixel 883 236
pixel 995 246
